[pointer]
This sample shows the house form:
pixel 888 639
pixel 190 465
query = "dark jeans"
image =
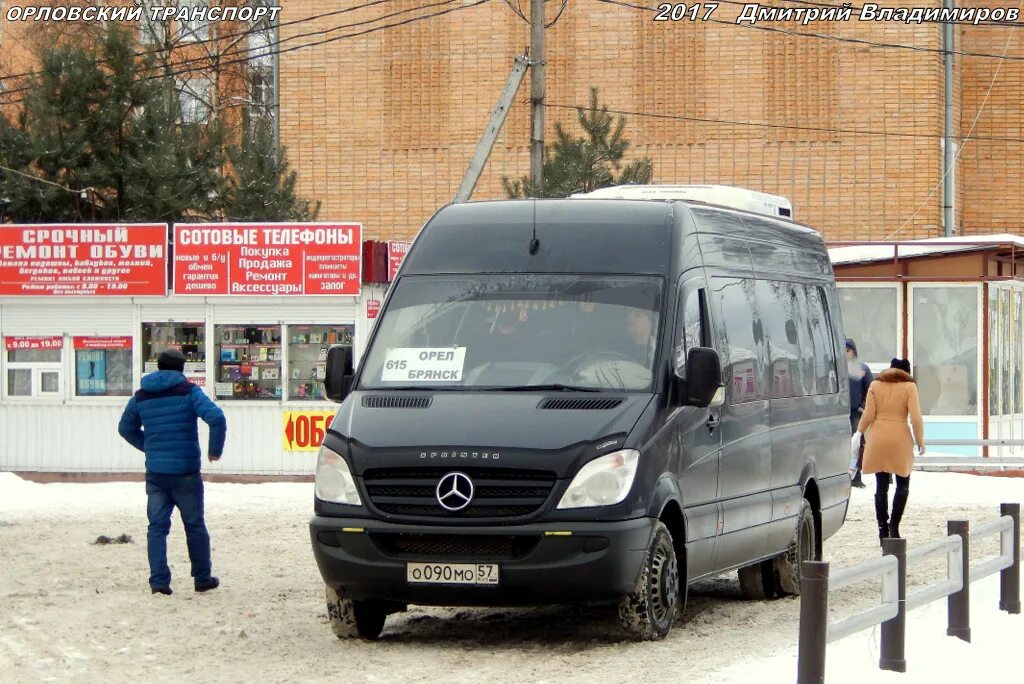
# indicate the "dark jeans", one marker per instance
pixel 185 492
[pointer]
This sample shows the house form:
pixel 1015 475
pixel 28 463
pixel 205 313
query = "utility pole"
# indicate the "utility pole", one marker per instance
pixel 948 153
pixel 537 92
pixel 497 120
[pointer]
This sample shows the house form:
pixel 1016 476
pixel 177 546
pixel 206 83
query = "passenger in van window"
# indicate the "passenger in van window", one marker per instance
pixel 160 421
pixel 892 399
pixel 860 381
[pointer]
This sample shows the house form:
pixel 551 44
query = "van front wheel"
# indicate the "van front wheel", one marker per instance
pixel 355 619
pixel 648 613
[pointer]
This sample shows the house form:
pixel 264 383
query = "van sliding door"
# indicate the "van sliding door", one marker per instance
pixel 744 483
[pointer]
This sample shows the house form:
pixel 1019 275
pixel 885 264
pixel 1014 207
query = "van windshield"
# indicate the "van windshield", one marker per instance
pixel 514 332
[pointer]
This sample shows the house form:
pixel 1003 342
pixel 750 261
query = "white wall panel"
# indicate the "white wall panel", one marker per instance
pixel 88 317
pixel 66 438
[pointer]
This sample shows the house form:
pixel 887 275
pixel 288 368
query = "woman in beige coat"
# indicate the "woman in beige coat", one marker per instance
pixel 889 450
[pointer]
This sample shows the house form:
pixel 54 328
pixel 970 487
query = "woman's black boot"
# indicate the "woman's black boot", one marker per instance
pixel 882 514
pixel 899 504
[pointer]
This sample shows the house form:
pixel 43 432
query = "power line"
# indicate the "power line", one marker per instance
pixel 822 36
pixel 262 48
pixel 263 51
pixel 223 36
pixel 764 124
pixel 965 140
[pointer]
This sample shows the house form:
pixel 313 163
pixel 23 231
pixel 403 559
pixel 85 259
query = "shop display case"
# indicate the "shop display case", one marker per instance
pixel 248 359
pixel 307 357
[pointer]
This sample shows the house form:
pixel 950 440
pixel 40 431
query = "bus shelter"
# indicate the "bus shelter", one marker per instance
pixel 955 308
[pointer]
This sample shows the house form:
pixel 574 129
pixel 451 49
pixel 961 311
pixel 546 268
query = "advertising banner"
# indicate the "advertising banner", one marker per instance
pixel 268 259
pixel 372 308
pixel 91 372
pixel 18 343
pixel 87 259
pixel 103 342
pixel 396 254
pixel 304 430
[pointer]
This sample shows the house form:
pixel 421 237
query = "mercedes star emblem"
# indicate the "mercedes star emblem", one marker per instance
pixel 454 491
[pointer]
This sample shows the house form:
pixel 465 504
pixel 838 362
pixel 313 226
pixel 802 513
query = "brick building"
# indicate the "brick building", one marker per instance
pixel 381 125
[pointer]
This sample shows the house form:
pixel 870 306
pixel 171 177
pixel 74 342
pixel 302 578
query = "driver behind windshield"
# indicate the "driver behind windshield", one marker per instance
pixel 640 329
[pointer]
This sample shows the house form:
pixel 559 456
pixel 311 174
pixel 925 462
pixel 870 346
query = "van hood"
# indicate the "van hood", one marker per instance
pixel 484 429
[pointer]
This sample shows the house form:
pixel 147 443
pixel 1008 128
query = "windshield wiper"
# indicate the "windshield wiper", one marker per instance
pixel 552 387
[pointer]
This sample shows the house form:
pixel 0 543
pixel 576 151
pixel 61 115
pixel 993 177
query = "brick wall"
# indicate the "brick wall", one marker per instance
pixel 373 148
pixel 991 172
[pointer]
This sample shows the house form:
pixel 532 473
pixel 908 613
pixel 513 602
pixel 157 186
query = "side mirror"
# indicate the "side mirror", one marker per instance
pixel 338 380
pixel 703 377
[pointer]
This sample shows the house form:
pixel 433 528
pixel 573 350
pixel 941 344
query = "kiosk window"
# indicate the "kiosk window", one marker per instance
pixel 188 338
pixel 307 357
pixel 103 366
pixel 33 366
pixel 248 361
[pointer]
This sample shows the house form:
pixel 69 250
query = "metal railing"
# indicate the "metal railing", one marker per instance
pixel 816 584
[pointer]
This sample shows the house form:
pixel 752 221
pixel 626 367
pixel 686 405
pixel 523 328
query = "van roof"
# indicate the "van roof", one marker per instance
pixel 581 235
pixel 726 196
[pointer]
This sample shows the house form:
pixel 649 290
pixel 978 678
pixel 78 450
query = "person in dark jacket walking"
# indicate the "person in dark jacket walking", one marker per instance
pixel 860 381
pixel 160 420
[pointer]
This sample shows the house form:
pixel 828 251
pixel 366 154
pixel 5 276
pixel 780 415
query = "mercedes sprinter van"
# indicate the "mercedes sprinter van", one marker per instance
pixel 582 399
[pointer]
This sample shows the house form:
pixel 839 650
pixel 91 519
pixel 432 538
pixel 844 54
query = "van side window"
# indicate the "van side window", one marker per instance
pixel 740 329
pixel 780 304
pixel 823 341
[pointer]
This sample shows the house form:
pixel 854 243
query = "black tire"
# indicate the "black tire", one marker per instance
pixel 355 619
pixel 649 612
pixel 802 547
pixel 758 581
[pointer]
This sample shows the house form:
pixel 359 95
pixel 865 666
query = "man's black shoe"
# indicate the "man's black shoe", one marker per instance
pixel 857 482
pixel 162 590
pixel 209 584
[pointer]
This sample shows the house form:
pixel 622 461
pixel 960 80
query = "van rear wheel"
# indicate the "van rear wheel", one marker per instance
pixel 802 547
pixel 758 581
pixel 355 619
pixel 649 612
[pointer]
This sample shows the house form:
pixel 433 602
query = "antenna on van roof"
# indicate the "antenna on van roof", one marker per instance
pixel 534 242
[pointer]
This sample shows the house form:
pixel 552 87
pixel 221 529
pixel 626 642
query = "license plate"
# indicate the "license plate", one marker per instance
pixel 452 573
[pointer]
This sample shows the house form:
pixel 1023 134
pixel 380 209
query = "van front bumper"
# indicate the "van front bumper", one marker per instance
pixel 537 564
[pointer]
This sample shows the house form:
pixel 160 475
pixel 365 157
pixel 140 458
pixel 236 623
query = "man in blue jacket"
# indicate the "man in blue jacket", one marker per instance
pixel 160 420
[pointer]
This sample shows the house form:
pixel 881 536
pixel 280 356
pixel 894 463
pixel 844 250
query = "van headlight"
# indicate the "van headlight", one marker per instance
pixel 604 481
pixel 334 481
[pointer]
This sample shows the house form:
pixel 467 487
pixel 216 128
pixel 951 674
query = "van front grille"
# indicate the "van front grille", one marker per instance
pixel 498 492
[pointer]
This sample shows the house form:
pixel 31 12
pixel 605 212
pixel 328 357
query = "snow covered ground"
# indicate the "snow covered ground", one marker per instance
pixel 74 611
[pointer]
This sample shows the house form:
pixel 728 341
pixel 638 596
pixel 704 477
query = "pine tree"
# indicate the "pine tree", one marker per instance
pixel 105 142
pixel 585 163
pixel 262 186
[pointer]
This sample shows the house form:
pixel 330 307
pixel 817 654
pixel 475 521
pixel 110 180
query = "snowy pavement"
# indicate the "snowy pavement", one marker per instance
pixel 74 611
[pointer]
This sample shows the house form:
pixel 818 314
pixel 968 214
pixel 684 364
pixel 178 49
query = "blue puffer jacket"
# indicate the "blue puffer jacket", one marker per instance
pixel 160 420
